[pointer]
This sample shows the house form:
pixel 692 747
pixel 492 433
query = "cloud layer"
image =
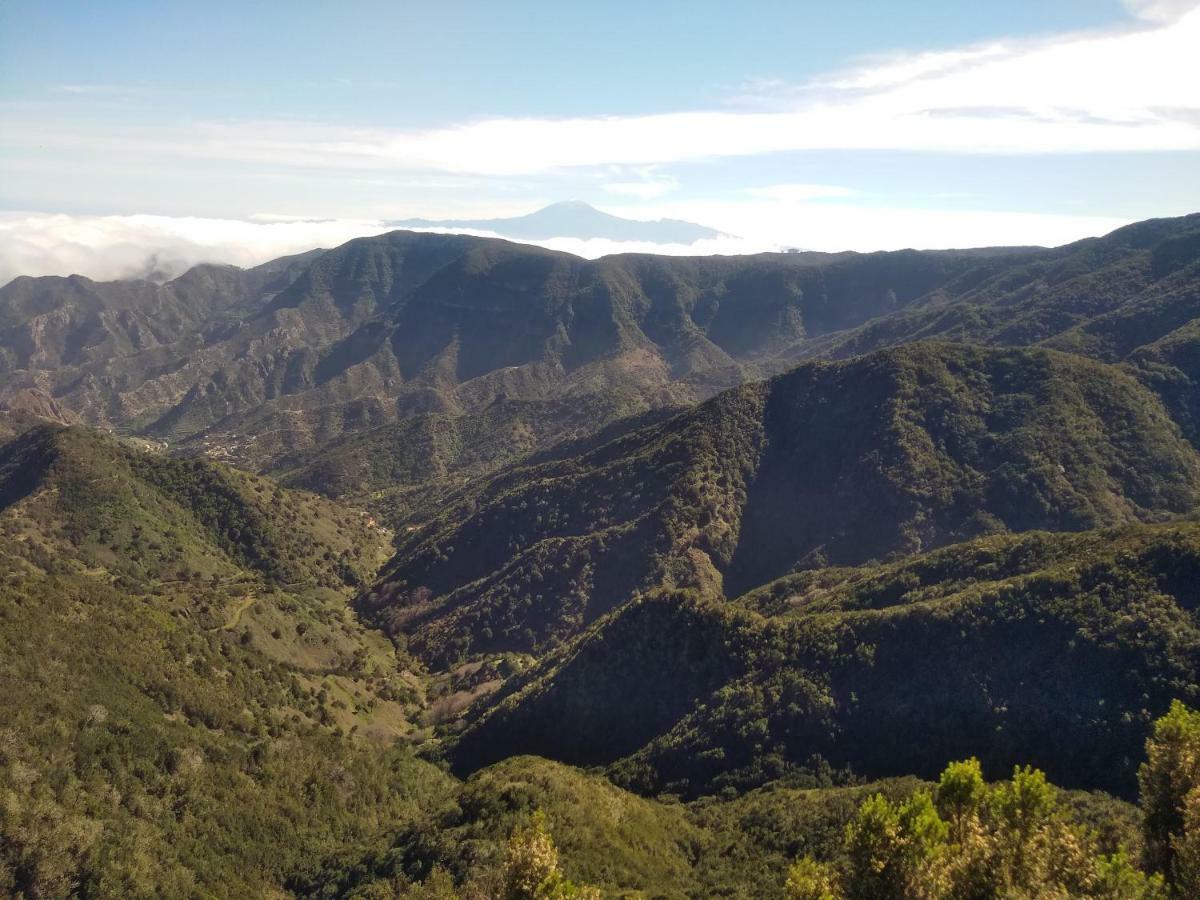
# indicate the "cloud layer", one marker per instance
pixel 160 247
pixel 111 247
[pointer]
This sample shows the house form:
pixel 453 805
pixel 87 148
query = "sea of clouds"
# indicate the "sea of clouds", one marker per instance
pixel 159 248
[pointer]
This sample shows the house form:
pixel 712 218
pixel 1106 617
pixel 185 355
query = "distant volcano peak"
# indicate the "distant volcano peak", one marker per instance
pixel 575 219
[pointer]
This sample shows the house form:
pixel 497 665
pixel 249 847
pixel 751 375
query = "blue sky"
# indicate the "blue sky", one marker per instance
pixel 832 125
pixel 425 63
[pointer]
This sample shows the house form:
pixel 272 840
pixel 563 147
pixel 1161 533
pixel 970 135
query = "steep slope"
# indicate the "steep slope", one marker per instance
pixel 222 550
pixel 1171 367
pixel 454 326
pixel 837 464
pixel 137 514
pixel 149 750
pixel 1101 297
pixel 188 705
pixel 401 471
pixel 1057 649
pixel 156 739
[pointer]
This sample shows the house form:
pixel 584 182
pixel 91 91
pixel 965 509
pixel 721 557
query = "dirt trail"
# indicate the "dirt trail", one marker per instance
pixel 236 619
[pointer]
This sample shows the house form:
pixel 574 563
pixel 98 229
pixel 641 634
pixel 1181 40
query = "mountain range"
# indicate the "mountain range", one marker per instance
pixel 321 578
pixel 367 368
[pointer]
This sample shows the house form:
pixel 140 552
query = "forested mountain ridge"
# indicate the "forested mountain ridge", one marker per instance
pixel 403 324
pixel 1101 297
pixel 338 368
pixel 150 750
pixel 1056 648
pixel 830 464
pixel 145 517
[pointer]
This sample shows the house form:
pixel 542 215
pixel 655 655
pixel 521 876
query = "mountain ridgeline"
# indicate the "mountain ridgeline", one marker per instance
pixel 352 369
pixel 384 329
pixel 143 517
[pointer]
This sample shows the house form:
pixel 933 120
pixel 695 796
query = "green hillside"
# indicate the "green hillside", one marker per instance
pixel 137 514
pixel 630 846
pixel 187 705
pixel 1052 649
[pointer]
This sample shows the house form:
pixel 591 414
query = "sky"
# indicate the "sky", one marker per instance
pixel 135 135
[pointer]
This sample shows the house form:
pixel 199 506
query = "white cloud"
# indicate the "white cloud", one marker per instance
pixel 112 247
pixel 1160 10
pixel 108 247
pixel 794 193
pixel 889 71
pixel 848 225
pixel 1117 91
pixel 642 190
pixel 594 248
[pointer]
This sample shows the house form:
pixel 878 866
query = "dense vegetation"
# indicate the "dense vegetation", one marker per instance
pixel 173 716
pixel 527 829
pixel 174 745
pixel 141 515
pixel 967 839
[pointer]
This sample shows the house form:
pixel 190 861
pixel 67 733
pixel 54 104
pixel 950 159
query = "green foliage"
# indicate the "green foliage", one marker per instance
pixel 1118 878
pixel 809 880
pixel 1012 839
pixel 892 850
pixel 151 749
pixel 1169 780
pixel 141 756
pixel 879 852
pixel 961 793
pixel 530 868
pixel 156 738
pixel 778 841
pixel 150 518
